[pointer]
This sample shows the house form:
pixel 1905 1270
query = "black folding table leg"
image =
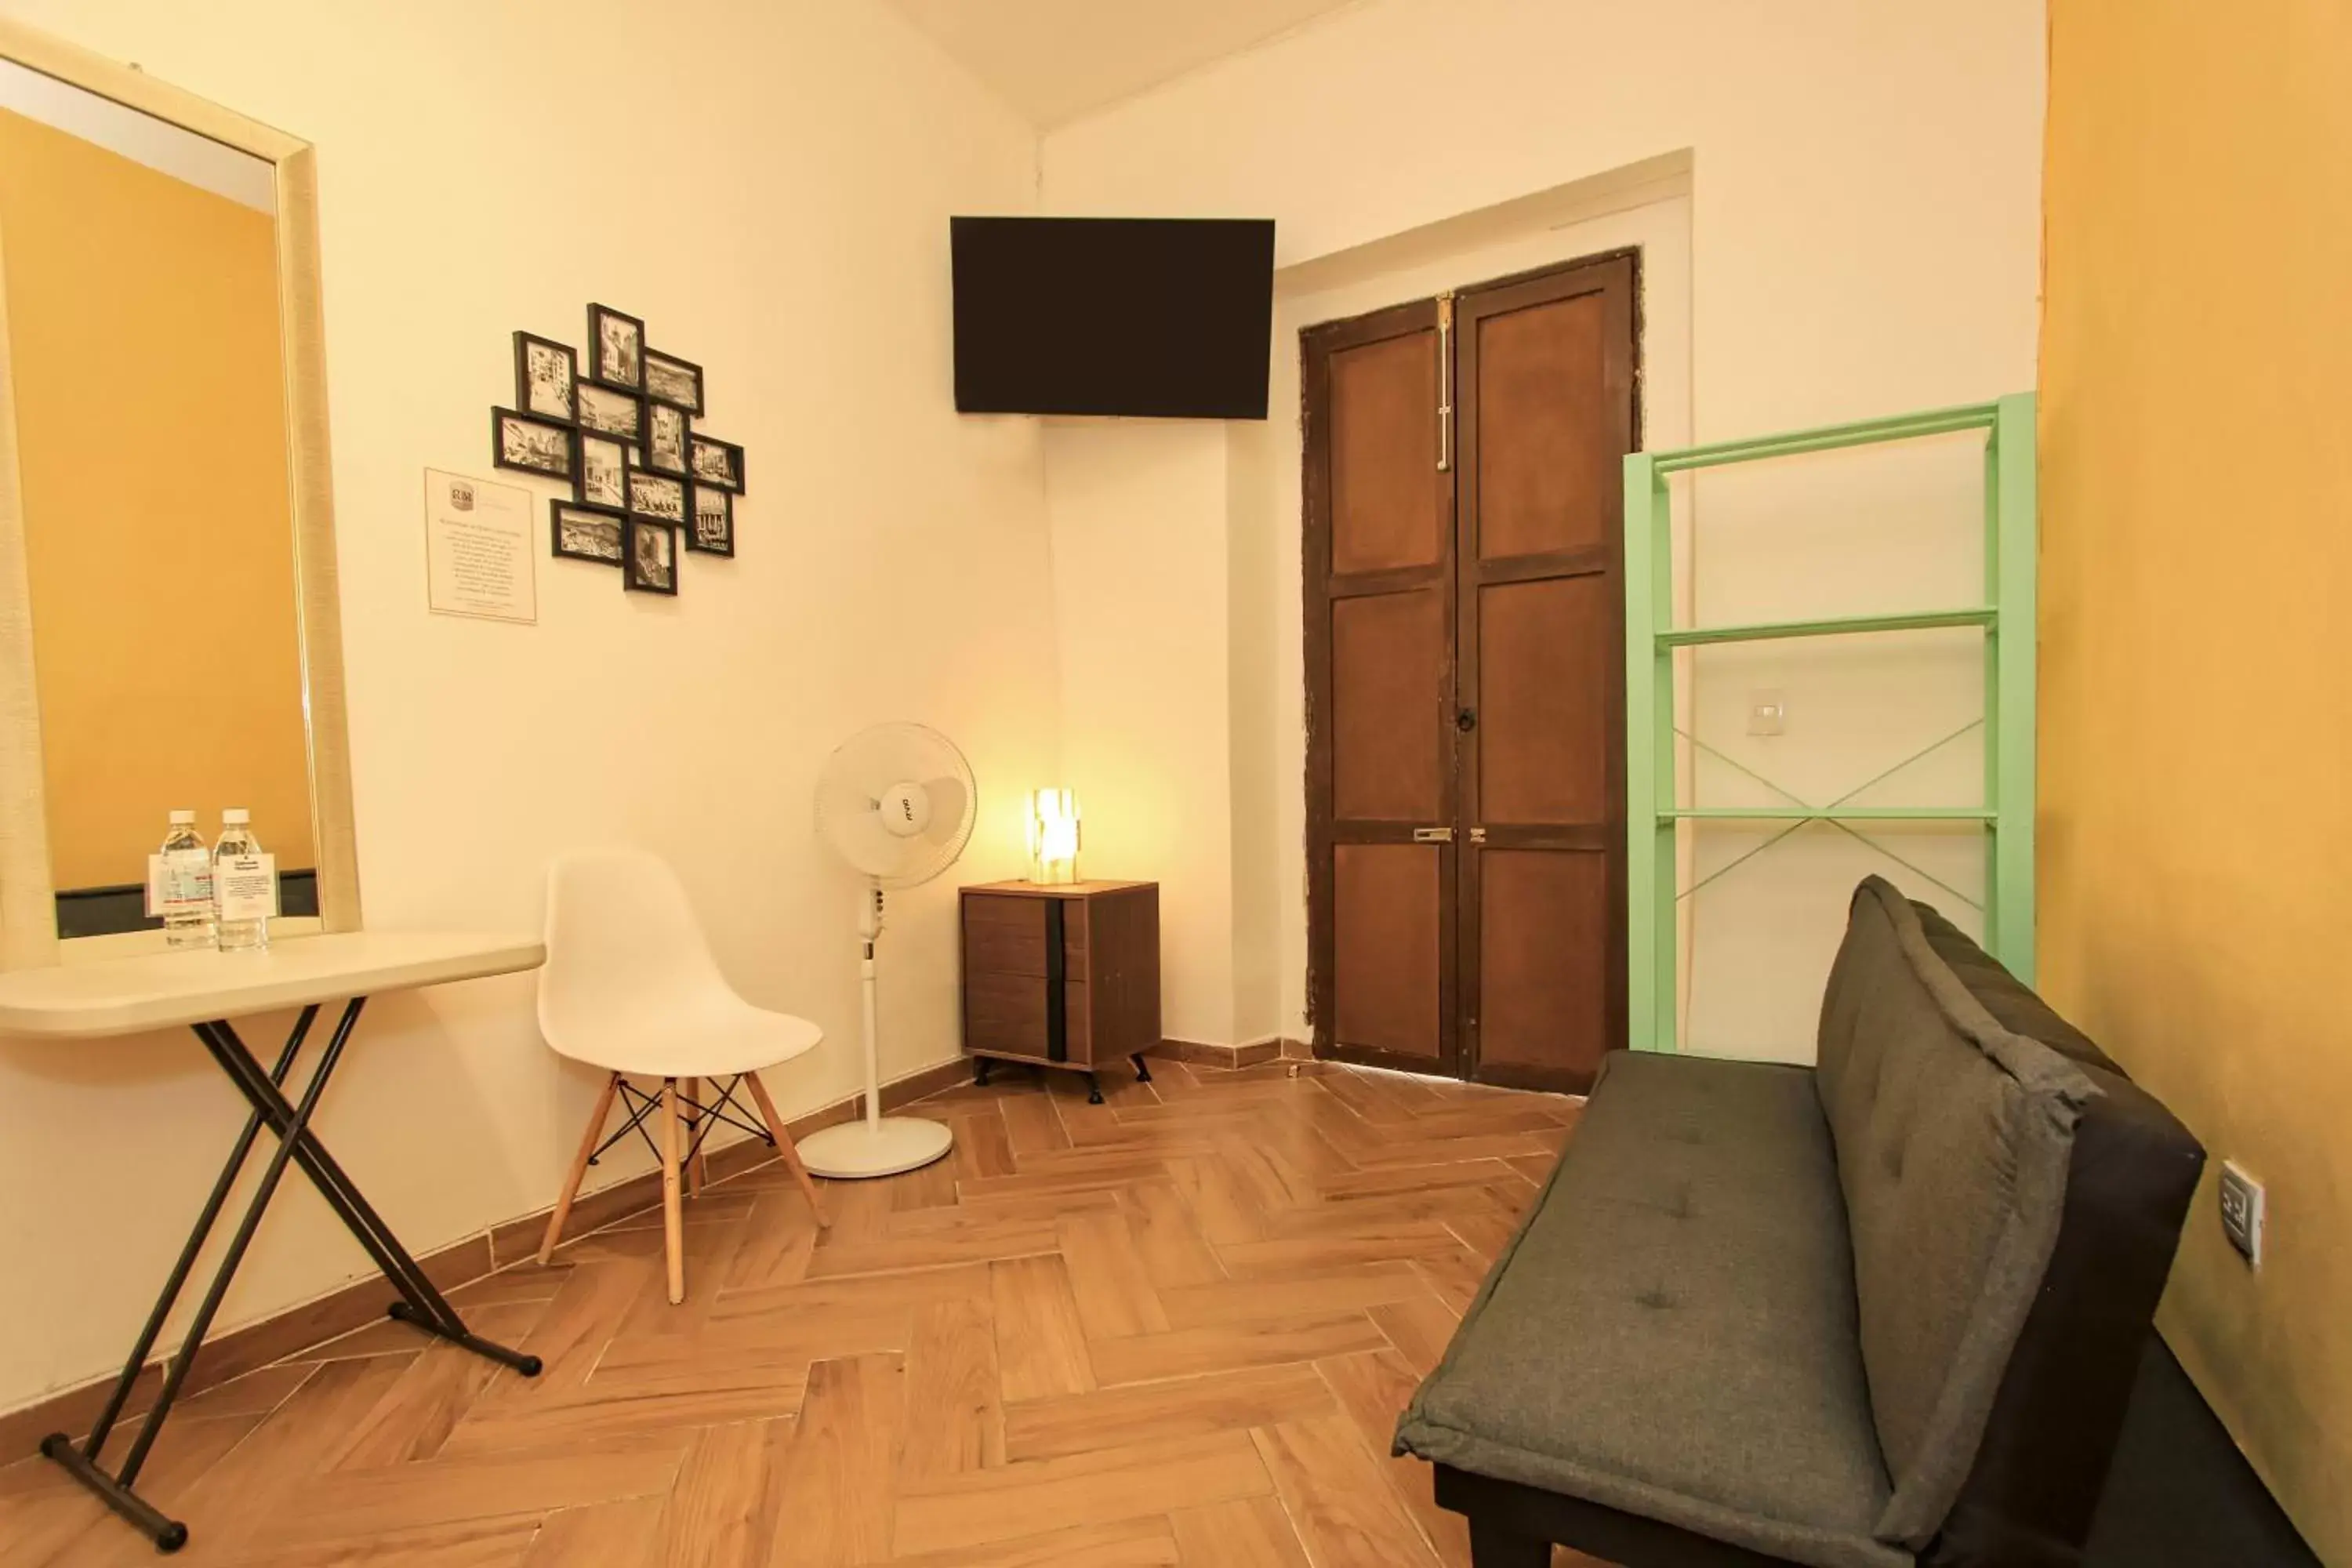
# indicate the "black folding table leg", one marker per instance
pixel 104 1426
pixel 421 1304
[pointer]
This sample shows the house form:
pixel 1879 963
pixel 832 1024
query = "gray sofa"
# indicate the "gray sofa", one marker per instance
pixel 1881 1311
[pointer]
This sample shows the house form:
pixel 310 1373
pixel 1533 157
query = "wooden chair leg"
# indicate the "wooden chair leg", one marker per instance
pixel 588 1142
pixel 673 1225
pixel 697 1173
pixel 784 1149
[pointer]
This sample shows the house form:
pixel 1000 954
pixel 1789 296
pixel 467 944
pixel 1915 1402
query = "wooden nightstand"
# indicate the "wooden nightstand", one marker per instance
pixel 1064 976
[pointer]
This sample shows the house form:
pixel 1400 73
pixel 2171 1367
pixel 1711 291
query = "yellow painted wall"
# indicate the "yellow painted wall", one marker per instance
pixel 2196 680
pixel 143 323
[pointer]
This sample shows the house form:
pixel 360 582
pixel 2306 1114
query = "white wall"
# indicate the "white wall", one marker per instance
pixel 1864 223
pixel 768 187
pixel 1137 512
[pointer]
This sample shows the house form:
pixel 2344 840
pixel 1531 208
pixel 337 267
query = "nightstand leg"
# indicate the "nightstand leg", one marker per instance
pixel 980 1068
pixel 1093 1090
pixel 1142 1067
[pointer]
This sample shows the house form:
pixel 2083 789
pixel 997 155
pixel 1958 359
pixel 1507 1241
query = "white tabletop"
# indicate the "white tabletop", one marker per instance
pixel 158 989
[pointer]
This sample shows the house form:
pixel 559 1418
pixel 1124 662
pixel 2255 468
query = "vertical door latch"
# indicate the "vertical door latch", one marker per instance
pixel 1445 382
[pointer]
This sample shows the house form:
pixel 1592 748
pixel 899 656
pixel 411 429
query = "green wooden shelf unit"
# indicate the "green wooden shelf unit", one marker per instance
pixel 1654 811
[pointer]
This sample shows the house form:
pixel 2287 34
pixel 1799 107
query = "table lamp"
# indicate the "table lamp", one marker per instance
pixel 1053 837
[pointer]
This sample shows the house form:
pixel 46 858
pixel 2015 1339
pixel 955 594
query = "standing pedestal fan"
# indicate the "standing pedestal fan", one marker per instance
pixel 898 802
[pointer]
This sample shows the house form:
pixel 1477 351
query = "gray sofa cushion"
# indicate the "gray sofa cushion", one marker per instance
pixel 1673 1332
pixel 1952 1139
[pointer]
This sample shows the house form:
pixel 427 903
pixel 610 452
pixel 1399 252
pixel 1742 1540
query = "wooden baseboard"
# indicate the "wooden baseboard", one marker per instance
pixel 355 1306
pixel 1203 1055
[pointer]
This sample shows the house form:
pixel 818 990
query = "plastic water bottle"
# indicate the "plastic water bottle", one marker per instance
pixel 236 840
pixel 186 884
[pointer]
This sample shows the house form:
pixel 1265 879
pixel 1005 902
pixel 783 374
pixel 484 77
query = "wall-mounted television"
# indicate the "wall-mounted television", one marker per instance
pixel 1167 318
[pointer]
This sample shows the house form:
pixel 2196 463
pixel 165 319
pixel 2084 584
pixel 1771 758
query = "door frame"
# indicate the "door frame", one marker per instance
pixel 1457 1046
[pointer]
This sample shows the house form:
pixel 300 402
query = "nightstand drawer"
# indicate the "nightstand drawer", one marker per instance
pixel 1007 936
pixel 1007 1014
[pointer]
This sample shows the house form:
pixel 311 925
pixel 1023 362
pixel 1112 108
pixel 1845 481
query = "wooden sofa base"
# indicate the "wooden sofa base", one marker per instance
pixel 1515 1526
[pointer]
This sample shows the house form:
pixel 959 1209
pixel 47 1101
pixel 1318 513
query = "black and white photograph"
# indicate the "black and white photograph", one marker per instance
pixel 718 463
pixel 533 445
pixel 544 372
pixel 674 380
pixel 580 534
pixel 602 480
pixel 666 437
pixel 713 530
pixel 616 348
pixel 649 556
pixel 611 412
pixel 656 496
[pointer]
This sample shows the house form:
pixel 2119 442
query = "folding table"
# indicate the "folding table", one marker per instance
pixel 83 1001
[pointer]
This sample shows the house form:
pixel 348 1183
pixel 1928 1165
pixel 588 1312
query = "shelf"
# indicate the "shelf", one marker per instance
pixel 1846 625
pixel 1827 814
pixel 1868 432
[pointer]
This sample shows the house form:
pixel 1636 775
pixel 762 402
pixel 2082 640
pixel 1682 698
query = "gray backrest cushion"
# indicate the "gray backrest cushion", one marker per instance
pixel 1953 1137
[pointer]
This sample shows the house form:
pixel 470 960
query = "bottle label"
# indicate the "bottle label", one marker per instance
pixel 180 882
pixel 244 886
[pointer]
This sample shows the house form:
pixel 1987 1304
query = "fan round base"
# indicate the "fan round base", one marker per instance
pixel 856 1150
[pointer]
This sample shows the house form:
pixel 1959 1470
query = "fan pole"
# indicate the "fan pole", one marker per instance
pixel 869 927
pixel 878 1145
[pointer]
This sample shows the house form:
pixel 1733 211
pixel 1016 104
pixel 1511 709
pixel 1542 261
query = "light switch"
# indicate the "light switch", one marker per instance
pixel 1766 712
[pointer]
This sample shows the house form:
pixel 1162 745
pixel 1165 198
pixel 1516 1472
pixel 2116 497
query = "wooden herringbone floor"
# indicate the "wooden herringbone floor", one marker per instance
pixel 1175 1328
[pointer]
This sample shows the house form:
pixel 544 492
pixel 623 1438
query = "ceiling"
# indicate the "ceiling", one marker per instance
pixel 1056 60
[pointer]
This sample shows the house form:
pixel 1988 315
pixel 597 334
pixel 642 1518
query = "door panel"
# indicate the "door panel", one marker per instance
pixel 1544 737
pixel 1544 922
pixel 1386 957
pixel 1388 658
pixel 1545 482
pixel 1378 577
pixel 1546 369
pixel 1387 510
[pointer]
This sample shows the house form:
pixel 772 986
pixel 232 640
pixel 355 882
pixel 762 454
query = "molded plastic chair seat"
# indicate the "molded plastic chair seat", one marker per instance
pixel 630 986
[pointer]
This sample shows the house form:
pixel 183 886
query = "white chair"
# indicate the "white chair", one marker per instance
pixel 630 986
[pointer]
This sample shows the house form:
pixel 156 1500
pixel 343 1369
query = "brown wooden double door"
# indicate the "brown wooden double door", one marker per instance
pixel 1465 676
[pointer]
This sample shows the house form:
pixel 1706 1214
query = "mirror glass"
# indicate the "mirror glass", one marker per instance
pixel 141 267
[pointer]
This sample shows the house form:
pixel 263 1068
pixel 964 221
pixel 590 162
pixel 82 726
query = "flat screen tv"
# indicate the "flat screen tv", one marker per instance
pixel 1170 318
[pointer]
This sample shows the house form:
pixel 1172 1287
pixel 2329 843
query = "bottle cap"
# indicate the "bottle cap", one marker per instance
pixel 236 815
pixel 184 819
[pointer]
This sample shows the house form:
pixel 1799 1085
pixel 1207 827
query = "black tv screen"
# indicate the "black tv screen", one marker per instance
pixel 1150 317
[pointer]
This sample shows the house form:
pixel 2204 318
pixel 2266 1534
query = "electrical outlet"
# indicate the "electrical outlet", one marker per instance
pixel 1767 713
pixel 2241 1211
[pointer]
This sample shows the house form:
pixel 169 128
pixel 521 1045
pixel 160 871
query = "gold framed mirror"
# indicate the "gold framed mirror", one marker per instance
pixel 170 632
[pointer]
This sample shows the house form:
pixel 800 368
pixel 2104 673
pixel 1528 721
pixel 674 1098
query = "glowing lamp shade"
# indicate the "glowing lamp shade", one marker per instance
pixel 1053 837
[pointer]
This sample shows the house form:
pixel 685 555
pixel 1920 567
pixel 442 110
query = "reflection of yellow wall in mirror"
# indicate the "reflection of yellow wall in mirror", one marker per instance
pixel 142 318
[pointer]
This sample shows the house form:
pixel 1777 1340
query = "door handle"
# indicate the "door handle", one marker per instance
pixel 1466 720
pixel 1433 835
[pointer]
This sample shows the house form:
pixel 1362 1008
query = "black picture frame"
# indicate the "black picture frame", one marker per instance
pixel 647 492
pixel 637 533
pixel 616 410
pixel 664 374
pixel 583 442
pixel 526 385
pixel 727 476
pixel 626 367
pixel 561 511
pixel 658 413
pixel 722 543
pixel 551 468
